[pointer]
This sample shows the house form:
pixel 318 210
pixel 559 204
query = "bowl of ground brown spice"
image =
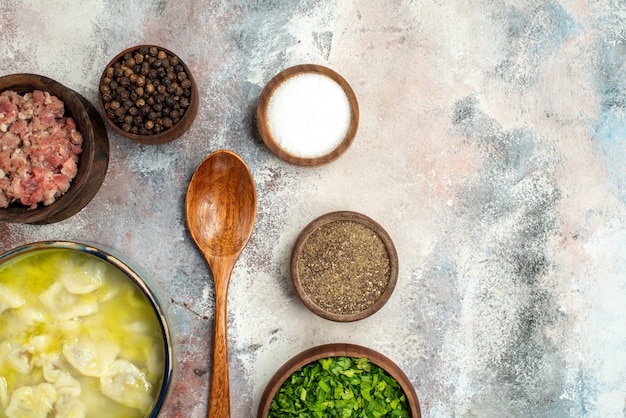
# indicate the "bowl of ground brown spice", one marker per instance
pixel 344 266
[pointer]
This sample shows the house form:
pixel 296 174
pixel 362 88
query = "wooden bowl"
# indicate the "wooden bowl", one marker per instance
pixel 166 135
pixel 93 161
pixel 337 350
pixel 118 271
pixel 326 260
pixel 270 138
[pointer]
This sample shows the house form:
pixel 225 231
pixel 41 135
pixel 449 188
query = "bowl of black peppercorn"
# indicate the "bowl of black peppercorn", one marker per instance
pixel 148 95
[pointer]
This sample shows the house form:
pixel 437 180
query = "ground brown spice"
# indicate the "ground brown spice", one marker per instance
pixel 344 267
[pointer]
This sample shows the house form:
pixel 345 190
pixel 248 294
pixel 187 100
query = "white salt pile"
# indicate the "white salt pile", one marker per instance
pixel 308 115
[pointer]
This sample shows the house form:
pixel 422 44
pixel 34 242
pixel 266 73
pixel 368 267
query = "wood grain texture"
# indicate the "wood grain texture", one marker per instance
pixel 220 211
pixel 266 134
pixel 336 350
pixel 92 163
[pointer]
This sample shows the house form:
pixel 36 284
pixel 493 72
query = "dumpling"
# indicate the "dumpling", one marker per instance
pixel 18 356
pixel 29 316
pixel 91 358
pixel 9 299
pixel 67 385
pixel 84 279
pixel 32 401
pixel 51 366
pixel 70 407
pixel 65 305
pixel 126 384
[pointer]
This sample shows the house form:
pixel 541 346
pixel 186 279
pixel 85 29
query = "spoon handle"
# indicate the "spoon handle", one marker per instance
pixel 219 396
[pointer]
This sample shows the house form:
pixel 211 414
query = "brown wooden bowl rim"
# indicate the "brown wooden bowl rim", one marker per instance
pixel 263 127
pixel 170 134
pixel 337 350
pixel 344 216
pixel 26 82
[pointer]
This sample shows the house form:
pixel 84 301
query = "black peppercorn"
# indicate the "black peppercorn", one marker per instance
pixel 146 92
pixel 145 68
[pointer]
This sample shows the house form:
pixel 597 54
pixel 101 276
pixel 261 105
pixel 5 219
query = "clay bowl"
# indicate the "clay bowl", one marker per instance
pixel 337 350
pixel 93 161
pixel 152 138
pixel 75 301
pixel 326 263
pixel 303 114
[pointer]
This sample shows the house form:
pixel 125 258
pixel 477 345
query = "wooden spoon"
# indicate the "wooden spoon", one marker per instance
pixel 220 210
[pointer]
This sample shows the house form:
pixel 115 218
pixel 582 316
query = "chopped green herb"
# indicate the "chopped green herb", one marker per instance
pixel 344 387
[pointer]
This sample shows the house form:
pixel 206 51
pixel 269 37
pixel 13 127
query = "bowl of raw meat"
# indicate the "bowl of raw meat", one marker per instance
pixel 82 334
pixel 54 150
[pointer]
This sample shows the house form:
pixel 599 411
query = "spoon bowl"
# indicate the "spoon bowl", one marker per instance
pixel 220 213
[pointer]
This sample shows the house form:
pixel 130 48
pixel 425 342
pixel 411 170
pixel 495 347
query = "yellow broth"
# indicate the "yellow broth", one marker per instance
pixel 77 337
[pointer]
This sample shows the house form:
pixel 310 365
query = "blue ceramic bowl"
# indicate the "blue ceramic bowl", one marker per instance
pixel 163 379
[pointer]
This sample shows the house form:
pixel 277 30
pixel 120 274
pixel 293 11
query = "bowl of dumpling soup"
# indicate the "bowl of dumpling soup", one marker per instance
pixel 80 333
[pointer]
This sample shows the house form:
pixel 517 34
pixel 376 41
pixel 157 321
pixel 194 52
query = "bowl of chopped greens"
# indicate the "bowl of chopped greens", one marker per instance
pixel 339 380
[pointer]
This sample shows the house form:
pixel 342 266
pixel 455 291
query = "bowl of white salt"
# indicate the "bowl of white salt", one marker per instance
pixel 308 115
